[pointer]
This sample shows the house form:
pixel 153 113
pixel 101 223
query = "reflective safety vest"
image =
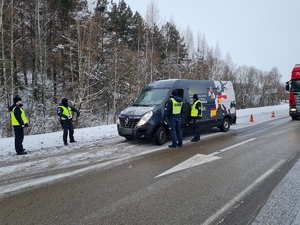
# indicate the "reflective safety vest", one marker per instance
pixel 176 106
pixel 14 121
pixel 66 111
pixel 194 111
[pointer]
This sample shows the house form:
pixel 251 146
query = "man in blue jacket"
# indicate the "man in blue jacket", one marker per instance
pixel 64 111
pixel 173 113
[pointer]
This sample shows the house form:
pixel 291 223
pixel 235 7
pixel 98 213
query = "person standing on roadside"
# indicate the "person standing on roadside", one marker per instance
pixel 173 112
pixel 196 115
pixel 18 121
pixel 64 111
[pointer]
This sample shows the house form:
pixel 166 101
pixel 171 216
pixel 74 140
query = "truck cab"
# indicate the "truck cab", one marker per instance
pixel 293 86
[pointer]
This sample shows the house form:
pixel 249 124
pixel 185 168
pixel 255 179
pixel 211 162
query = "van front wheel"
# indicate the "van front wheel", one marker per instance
pixel 160 135
pixel 225 125
pixel 129 138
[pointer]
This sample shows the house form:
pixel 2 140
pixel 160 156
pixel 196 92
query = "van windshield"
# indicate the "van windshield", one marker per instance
pixel 150 97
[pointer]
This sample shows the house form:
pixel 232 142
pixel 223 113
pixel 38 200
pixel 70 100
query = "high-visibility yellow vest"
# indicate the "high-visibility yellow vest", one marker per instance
pixel 14 121
pixel 194 111
pixel 176 109
pixel 66 111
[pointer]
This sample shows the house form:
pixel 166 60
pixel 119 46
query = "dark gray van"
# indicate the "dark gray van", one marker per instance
pixel 143 120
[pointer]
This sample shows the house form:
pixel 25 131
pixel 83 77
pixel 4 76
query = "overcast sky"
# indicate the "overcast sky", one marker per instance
pixel 259 33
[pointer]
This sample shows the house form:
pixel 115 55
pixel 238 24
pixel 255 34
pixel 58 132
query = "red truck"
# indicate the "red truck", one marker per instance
pixel 293 86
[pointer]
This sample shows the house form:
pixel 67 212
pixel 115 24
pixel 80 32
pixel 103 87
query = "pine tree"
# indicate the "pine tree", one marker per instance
pixel 121 21
pixel 174 50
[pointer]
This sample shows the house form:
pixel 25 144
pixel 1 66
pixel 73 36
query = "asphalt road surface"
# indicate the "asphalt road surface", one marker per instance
pixel 226 178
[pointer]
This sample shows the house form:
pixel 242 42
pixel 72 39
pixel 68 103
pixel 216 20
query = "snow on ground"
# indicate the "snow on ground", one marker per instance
pixel 95 147
pixel 92 136
pixel 53 141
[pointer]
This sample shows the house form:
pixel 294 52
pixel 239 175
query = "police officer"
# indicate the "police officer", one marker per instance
pixel 19 121
pixel 64 111
pixel 196 115
pixel 173 112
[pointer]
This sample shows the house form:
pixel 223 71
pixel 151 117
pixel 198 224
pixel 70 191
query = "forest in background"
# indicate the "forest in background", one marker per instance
pixel 101 59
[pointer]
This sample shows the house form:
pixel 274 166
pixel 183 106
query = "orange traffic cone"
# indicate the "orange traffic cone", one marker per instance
pixel 273 114
pixel 251 118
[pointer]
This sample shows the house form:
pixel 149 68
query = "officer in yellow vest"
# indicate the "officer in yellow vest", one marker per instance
pixel 196 115
pixel 64 111
pixel 18 121
pixel 173 113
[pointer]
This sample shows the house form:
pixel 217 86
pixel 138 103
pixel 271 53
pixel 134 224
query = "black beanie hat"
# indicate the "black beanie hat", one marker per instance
pixel 195 96
pixel 64 101
pixel 16 99
pixel 174 93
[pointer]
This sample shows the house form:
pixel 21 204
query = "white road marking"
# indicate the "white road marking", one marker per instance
pixel 233 146
pixel 15 187
pixel 200 159
pixel 19 186
pixel 194 161
pixel 241 195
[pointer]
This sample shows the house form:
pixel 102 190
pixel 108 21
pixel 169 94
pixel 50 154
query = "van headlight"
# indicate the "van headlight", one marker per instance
pixel 145 118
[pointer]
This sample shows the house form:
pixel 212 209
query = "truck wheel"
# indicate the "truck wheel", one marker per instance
pixel 225 125
pixel 160 135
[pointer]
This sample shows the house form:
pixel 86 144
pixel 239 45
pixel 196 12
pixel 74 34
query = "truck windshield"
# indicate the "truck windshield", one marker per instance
pixel 150 97
pixel 295 85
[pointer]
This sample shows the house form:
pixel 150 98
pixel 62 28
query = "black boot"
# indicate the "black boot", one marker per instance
pixel 172 146
pixel 22 153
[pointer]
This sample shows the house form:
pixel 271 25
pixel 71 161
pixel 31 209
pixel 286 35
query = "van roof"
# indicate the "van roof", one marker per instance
pixel 174 82
pixel 164 83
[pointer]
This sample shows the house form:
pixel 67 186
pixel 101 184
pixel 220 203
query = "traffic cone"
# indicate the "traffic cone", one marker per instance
pixel 273 114
pixel 251 118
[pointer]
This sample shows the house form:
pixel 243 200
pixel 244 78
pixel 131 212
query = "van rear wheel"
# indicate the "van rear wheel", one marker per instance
pixel 225 125
pixel 160 135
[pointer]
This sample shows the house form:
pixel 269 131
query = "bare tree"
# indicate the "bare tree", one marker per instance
pixel 85 80
pixel 152 17
pixel 200 57
pixel 189 42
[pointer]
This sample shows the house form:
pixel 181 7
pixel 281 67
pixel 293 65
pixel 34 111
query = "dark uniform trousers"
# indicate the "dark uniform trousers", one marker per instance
pixel 175 129
pixel 196 127
pixel 19 137
pixel 67 125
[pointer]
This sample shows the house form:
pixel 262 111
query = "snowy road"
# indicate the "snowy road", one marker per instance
pixel 49 160
pixel 54 163
pixel 225 180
